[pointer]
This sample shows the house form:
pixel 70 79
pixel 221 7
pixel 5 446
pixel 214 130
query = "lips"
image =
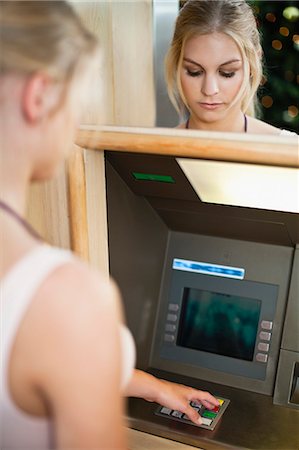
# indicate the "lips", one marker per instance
pixel 210 106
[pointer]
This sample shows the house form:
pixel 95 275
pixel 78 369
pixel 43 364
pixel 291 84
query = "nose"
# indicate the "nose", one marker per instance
pixel 209 86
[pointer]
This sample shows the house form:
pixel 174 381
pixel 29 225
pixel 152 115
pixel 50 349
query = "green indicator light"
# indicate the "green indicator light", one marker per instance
pixel 152 177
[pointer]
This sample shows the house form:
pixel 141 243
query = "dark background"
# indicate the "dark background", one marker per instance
pixel 278 22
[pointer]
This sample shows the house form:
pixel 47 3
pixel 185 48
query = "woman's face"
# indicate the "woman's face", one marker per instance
pixel 211 76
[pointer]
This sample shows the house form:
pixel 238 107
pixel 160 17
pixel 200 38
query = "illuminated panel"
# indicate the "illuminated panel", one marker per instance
pixel 235 184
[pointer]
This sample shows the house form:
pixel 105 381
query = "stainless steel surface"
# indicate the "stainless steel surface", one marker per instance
pixel 251 421
pixel 165 13
pixel 289 354
pixel 285 379
pixel 290 339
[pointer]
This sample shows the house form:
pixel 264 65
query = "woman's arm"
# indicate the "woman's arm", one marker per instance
pixel 68 351
pixel 172 395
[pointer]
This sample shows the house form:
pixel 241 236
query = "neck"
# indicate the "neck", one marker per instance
pixel 15 176
pixel 234 123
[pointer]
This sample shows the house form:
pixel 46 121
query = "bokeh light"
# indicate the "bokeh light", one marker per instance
pixel 293 111
pixel 271 17
pixel 276 44
pixel 267 101
pixel 284 31
pixel 291 13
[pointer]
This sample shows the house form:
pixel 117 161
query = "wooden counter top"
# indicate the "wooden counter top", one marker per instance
pixel 144 441
pixel 272 150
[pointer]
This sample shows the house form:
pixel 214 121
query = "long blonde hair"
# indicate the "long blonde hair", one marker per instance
pixel 43 36
pixel 232 17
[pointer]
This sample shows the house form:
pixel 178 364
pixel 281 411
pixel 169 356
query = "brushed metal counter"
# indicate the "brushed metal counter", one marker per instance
pixel 251 421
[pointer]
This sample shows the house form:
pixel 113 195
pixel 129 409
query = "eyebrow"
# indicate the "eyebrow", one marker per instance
pixel 223 64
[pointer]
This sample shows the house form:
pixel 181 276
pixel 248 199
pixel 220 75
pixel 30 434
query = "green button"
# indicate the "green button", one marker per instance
pixel 209 414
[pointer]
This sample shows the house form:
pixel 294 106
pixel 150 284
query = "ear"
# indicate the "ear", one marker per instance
pixel 35 98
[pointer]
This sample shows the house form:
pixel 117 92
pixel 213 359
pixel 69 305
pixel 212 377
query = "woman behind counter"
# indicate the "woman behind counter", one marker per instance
pixel 214 67
pixel 66 359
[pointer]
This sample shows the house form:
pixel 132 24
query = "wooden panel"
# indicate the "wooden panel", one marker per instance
pixel 133 63
pixel 47 209
pixel 77 196
pixel 256 149
pixel 99 107
pixel 122 93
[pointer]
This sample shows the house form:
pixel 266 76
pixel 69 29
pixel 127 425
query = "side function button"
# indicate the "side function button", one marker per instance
pixel 173 307
pixel 261 357
pixel 170 327
pixel 263 346
pixel 266 325
pixel 172 317
pixel 265 336
pixel 169 337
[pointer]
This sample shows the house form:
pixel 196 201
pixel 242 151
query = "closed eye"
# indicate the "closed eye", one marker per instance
pixel 195 73
pixel 227 74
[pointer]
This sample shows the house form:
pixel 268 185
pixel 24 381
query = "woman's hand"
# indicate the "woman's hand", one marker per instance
pixel 178 397
pixel 172 395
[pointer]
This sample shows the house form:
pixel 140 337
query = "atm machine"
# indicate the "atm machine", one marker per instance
pixel 211 294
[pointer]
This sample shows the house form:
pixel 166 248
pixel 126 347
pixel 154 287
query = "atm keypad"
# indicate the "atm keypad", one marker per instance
pixel 210 417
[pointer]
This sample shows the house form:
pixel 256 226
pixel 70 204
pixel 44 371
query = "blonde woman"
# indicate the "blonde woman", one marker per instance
pixel 66 359
pixel 214 67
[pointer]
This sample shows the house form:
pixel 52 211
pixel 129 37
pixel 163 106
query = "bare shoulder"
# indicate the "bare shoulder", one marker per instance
pixel 77 282
pixel 73 303
pixel 257 126
pixel 70 353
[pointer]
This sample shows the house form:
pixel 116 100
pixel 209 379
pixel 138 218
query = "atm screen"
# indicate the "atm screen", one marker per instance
pixel 219 323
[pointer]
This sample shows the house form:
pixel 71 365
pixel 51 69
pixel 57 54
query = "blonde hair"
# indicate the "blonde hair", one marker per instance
pixel 235 18
pixel 43 36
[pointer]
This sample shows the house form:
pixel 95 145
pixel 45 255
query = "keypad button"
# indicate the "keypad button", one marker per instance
pixel 263 346
pixel 172 317
pixel 166 411
pixel 220 401
pixel 195 404
pixel 173 307
pixel 215 409
pixel 206 421
pixel 185 417
pixel 209 414
pixel 266 325
pixel 196 408
pixel 265 336
pixel 177 414
pixel 261 357
pixel 168 337
pixel 170 327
